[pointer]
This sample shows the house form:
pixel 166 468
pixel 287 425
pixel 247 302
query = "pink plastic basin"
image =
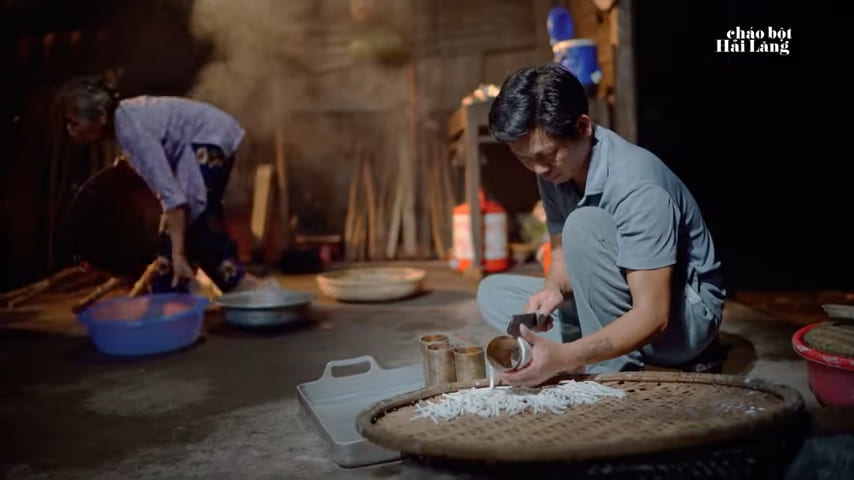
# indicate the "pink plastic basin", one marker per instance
pixel 831 377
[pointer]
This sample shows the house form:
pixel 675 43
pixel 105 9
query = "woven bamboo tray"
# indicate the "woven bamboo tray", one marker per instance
pixel 662 411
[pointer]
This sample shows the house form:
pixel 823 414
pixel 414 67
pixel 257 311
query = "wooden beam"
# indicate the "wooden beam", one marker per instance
pixel 625 89
pixel 261 203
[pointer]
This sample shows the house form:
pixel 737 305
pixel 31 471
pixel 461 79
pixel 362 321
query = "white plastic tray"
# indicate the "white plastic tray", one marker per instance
pixel 333 402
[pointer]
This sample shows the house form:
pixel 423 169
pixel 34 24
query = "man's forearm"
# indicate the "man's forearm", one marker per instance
pixel 626 334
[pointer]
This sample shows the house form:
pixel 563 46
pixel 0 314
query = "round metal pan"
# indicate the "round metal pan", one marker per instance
pixel 265 307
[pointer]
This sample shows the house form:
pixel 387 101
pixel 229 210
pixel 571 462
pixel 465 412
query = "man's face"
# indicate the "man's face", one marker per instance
pixel 557 160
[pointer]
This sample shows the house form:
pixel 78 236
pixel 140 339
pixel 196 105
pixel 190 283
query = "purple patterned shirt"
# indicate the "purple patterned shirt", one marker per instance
pixel 157 134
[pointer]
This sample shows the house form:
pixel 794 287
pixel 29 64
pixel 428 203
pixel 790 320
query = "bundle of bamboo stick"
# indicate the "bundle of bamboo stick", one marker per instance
pixel 440 197
pixel 363 230
pixel 386 219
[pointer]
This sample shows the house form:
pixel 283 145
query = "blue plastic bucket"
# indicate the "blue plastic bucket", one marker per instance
pixel 579 57
pixel 145 325
pixel 560 25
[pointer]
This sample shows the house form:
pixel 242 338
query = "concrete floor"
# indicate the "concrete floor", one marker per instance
pixel 227 407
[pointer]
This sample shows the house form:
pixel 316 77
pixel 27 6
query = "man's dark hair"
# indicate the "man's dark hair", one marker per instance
pixel 549 97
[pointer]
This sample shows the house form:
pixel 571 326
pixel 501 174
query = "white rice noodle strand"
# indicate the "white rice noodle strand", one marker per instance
pixel 495 400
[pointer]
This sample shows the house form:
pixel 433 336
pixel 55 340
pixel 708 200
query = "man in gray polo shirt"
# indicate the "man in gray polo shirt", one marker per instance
pixel 634 277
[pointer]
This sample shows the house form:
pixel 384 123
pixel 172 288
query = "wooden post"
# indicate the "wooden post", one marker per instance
pixel 447 203
pixel 283 216
pixel 472 159
pixel 282 184
pixel 371 206
pixel 385 179
pixel 434 200
pixel 408 164
pixel 350 243
pixel 626 108
pixel 261 204
pixel 397 206
pixel 425 161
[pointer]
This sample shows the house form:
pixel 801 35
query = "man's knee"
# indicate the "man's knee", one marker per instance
pixel 489 288
pixel 586 225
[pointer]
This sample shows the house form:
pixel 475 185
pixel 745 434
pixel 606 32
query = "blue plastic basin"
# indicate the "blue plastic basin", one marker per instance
pixel 145 325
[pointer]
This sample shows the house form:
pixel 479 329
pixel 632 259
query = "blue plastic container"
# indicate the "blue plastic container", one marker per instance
pixel 145 325
pixel 579 57
pixel 560 25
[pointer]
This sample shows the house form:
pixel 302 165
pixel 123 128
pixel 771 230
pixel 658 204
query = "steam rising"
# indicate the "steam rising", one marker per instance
pixel 261 48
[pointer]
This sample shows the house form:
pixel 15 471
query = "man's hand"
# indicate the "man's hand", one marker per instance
pixel 556 284
pixel 544 302
pixel 181 269
pixel 548 359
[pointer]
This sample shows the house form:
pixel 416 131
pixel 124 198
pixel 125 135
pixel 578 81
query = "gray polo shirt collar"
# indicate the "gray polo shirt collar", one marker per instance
pixel 598 169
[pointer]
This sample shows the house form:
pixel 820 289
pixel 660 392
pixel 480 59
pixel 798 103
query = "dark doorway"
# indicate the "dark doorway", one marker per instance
pixel 745 134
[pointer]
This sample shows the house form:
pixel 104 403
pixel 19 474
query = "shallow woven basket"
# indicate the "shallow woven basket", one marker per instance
pixel 662 412
pixel 371 284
